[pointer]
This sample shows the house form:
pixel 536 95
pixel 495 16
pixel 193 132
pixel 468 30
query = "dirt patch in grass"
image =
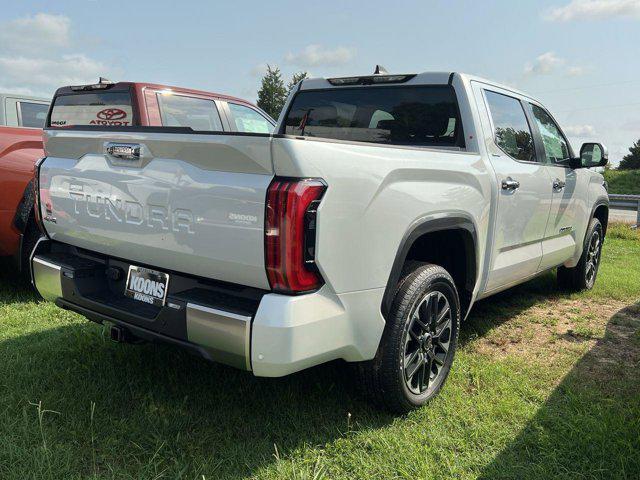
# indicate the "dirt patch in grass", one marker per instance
pixel 619 348
pixel 563 330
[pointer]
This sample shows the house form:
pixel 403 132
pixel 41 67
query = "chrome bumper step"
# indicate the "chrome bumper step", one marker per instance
pixel 220 335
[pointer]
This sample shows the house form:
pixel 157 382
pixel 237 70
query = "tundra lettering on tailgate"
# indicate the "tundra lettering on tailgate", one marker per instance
pixel 112 209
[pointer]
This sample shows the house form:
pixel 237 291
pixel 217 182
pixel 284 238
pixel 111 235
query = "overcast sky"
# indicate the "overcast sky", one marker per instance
pixel 579 57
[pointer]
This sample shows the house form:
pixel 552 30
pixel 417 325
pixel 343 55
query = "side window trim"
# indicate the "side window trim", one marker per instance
pixel 538 144
pixel 225 116
pixel 19 112
pixel 486 89
pixel 538 135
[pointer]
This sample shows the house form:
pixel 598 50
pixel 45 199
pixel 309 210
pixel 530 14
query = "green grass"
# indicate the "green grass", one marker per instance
pixel 542 387
pixel 623 182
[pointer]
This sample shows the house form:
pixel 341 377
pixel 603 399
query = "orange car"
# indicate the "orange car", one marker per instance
pixel 108 104
pixel 21 122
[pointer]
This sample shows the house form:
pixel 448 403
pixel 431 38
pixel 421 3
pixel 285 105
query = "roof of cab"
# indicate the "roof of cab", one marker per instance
pixel 156 86
pixel 424 78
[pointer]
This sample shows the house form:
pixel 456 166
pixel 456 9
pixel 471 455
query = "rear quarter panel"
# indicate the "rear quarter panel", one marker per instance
pixel 19 150
pixel 375 195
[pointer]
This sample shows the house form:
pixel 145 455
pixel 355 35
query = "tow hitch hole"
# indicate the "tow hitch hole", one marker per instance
pixel 117 334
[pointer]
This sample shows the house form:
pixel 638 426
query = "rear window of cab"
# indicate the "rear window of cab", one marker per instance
pixel 93 108
pixel 394 115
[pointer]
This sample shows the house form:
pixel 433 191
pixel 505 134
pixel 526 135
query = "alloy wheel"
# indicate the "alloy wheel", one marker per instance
pixel 593 257
pixel 427 341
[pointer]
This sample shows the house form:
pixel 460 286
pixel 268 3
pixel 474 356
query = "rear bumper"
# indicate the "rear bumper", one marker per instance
pixel 274 335
pixel 47 278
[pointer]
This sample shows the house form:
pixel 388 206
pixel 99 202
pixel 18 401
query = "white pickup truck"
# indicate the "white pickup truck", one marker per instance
pixel 363 230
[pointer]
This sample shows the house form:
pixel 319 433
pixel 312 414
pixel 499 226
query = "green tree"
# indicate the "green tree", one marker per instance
pixel 272 93
pixel 631 161
pixel 297 77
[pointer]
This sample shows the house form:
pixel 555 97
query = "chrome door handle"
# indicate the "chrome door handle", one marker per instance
pixel 510 184
pixel 558 184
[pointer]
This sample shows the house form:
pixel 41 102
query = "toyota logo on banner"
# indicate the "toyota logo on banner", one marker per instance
pixel 111 114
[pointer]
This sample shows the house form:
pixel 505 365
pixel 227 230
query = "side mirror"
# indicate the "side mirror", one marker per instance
pixel 591 155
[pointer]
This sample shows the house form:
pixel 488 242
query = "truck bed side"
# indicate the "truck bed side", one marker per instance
pixel 376 194
pixel 19 149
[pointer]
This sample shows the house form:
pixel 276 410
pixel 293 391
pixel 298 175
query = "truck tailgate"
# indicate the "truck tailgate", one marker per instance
pixel 189 202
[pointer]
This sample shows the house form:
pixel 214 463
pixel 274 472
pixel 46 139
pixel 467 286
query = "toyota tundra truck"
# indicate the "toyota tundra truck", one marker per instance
pixel 364 229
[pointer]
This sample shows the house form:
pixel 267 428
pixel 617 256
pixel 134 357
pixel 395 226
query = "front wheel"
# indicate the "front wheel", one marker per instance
pixel 583 275
pixel 418 343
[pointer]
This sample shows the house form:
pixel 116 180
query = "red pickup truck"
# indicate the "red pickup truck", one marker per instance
pixel 109 104
pixel 21 122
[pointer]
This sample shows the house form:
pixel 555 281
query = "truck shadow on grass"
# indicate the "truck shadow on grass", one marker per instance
pixel 589 426
pixel 158 410
pixel 500 308
pixel 155 407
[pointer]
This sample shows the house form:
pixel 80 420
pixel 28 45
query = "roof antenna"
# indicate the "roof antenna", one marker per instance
pixel 380 70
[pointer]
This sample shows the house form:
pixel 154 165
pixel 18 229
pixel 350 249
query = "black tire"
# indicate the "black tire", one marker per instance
pixel 408 340
pixel 583 275
pixel 30 238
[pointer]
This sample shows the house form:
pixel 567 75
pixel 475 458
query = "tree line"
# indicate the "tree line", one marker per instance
pixel 273 92
pixel 631 161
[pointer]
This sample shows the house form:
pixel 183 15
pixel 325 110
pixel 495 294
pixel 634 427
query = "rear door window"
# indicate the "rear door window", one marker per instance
pixel 184 111
pixel 93 108
pixel 32 115
pixel 510 126
pixel 396 115
pixel 246 119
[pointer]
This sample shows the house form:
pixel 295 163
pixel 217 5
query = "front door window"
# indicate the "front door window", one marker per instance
pixel 556 148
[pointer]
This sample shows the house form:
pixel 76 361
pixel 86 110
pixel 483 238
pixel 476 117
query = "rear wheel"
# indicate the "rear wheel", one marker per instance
pixel 418 344
pixel 583 275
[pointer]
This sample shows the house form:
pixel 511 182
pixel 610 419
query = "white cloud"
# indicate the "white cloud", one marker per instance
pixel 18 90
pixel 549 62
pixel 45 73
pixel 576 71
pixel 35 56
pixel 544 64
pixel 259 70
pixel 35 33
pixel 594 10
pixel 580 131
pixel 317 55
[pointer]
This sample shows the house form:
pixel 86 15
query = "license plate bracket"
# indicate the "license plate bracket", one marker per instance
pixel 147 285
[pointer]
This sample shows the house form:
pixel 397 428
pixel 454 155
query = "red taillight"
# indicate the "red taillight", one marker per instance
pixel 290 231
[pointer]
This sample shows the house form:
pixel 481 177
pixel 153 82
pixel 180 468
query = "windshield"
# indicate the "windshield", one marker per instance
pixel 93 108
pixel 407 115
